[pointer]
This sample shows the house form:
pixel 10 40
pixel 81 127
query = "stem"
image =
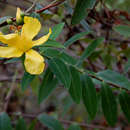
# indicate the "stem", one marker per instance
pixel 12 88
pixel 32 116
pixel 53 4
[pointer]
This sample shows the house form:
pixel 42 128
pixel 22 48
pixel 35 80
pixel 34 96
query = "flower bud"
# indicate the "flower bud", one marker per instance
pixel 19 17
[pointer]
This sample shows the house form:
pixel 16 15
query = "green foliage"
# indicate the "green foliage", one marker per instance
pixel 109 104
pixel 50 122
pixel 26 80
pixel 74 127
pixel 127 66
pixel 52 43
pixel 12 60
pixel 5 123
pixel 80 10
pixel 89 96
pixel 75 89
pixel 75 38
pixel 56 30
pixel 123 30
pixel 3 19
pixel 89 50
pixel 53 53
pixel 114 78
pixel 61 70
pixel 35 15
pixel 124 100
pixel 21 125
pixel 46 86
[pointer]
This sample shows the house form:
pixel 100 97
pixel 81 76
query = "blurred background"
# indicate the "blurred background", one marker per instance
pixel 114 54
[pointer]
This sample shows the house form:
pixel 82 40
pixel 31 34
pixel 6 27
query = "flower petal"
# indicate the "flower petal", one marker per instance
pixel 34 62
pixel 31 27
pixel 42 39
pixel 9 52
pixel 9 38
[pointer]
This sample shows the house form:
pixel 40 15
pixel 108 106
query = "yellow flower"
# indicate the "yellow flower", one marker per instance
pixel 20 43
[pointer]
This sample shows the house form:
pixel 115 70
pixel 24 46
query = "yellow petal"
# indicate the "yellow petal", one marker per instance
pixel 9 52
pixel 34 62
pixel 18 15
pixel 31 27
pixel 8 39
pixel 42 39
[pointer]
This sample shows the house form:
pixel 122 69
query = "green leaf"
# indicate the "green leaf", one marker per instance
pixel 75 38
pixel 89 96
pixel 50 52
pixel 21 125
pixel 13 60
pixel 46 14
pixel 114 78
pixel 53 53
pixel 124 99
pixel 35 15
pixel 34 85
pixel 109 104
pixel 3 19
pixel 60 69
pixel 67 58
pixel 85 25
pixel 56 30
pixel 32 125
pixel 89 50
pixel 74 127
pixel 82 22
pixel 50 122
pixel 46 86
pixel 80 11
pixel 123 30
pixel 52 43
pixel 5 123
pixel 26 80
pixel 127 66
pixel 75 89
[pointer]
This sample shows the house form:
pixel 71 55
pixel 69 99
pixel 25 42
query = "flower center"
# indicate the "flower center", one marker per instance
pixel 23 43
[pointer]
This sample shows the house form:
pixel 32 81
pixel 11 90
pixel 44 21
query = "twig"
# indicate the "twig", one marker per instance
pixel 51 5
pixel 8 97
pixel 33 5
pixel 86 125
pixel 8 79
pixel 33 116
pixel 95 77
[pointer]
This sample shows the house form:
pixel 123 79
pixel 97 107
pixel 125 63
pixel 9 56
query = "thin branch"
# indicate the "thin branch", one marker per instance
pixel 9 79
pixel 86 125
pixel 33 5
pixel 95 77
pixel 8 97
pixel 33 116
pixel 53 4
